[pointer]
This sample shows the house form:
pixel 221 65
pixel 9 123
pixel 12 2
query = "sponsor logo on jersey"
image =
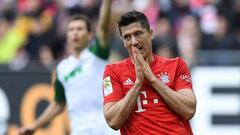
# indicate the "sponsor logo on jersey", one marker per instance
pixel 186 78
pixel 128 82
pixel 164 77
pixel 72 73
pixel 107 86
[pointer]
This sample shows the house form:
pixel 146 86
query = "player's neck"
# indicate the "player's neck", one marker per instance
pixel 77 53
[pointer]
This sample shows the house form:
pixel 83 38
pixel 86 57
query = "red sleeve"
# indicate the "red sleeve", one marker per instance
pixel 183 76
pixel 112 89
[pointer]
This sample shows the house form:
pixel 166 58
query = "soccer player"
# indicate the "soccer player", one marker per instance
pixel 79 79
pixel 146 94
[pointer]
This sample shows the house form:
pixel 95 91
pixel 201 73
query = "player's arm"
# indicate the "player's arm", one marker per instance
pixel 116 113
pixel 53 109
pixel 100 46
pixel 182 101
pixel 102 31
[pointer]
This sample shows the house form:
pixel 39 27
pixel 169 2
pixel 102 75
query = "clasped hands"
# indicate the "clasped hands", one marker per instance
pixel 142 68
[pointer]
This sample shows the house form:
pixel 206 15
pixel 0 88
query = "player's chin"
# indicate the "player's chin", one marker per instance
pixel 146 55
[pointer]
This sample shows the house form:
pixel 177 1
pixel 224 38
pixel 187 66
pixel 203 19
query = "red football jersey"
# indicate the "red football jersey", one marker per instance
pixel 152 116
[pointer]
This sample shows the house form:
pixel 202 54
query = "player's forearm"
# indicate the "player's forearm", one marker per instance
pixel 51 111
pixel 117 114
pixel 104 17
pixel 104 21
pixel 184 104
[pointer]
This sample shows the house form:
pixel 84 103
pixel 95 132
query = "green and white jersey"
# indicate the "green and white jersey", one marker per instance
pixel 79 84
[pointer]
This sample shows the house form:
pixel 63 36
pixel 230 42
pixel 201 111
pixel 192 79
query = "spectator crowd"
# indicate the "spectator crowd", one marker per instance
pixel 34 30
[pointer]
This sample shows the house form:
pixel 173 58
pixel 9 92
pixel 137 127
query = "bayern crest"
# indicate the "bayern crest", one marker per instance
pixel 164 77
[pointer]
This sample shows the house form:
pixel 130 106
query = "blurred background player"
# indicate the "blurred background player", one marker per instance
pixel 78 78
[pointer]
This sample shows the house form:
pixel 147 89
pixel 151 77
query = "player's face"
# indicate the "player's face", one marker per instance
pixel 77 34
pixel 136 35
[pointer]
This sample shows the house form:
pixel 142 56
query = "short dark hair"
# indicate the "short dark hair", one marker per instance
pixel 132 17
pixel 83 18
